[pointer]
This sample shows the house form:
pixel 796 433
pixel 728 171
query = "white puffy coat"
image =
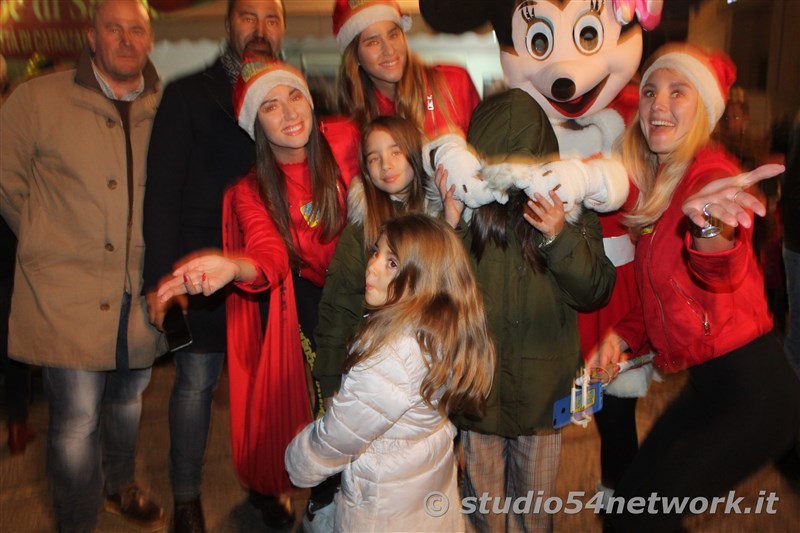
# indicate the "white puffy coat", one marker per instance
pixel 392 449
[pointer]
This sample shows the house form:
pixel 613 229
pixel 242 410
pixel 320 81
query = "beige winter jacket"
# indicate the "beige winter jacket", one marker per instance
pixel 64 192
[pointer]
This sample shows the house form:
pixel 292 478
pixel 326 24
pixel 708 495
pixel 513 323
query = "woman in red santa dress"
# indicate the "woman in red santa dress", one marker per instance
pixel 281 223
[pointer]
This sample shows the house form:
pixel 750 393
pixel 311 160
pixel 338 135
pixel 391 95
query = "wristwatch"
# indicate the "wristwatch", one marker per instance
pixel 547 241
pixel 712 228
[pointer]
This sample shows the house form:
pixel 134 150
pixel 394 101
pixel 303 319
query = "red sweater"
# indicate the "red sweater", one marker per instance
pixel 694 306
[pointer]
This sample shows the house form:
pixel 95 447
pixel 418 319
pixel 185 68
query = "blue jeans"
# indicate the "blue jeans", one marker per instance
pixel 196 376
pixel 791 261
pixel 94 424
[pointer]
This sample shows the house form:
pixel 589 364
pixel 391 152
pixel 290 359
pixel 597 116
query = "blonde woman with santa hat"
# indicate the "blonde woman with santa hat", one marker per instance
pixel 702 297
pixel 281 223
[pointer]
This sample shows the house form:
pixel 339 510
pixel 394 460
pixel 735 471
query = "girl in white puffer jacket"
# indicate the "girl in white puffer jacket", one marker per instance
pixel 424 351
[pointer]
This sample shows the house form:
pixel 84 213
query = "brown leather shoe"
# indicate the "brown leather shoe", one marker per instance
pixel 136 508
pixel 19 435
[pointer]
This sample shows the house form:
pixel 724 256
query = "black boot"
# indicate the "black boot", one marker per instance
pixel 273 513
pixel 789 467
pixel 188 517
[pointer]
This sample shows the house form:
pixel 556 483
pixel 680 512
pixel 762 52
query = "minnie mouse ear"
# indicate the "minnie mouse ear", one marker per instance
pixel 455 16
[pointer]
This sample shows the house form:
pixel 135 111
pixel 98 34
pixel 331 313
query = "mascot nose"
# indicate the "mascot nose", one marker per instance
pixel 563 89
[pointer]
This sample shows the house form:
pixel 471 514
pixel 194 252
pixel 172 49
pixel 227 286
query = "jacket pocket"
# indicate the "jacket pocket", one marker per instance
pixel 697 311
pixel 542 382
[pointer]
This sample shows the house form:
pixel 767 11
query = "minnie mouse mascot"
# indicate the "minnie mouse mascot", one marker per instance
pixel 576 60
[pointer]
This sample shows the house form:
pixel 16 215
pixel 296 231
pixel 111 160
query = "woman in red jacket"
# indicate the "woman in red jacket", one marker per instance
pixel 281 223
pixel 379 75
pixel 702 303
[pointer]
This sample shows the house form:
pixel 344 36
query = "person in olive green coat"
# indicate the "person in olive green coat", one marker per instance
pixel 536 273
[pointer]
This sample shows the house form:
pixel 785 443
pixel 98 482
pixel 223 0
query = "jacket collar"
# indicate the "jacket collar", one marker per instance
pixel 84 74
pixel 356 201
pixel 219 87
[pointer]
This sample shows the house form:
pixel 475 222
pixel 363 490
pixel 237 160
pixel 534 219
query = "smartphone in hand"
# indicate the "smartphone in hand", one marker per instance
pixel 176 329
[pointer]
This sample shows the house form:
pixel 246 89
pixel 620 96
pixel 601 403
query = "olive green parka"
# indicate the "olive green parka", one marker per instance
pixel 533 315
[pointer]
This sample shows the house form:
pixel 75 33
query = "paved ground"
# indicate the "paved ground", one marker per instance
pixel 24 501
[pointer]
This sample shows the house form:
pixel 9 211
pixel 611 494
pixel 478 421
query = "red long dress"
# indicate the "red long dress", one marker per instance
pixel 268 390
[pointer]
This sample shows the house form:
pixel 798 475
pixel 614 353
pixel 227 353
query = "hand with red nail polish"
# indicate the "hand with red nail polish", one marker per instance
pixel 206 275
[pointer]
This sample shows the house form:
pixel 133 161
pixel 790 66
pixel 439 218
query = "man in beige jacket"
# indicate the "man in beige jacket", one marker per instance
pixel 72 180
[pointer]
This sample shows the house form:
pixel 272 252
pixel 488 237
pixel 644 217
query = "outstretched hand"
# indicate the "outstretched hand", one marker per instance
pixel 727 200
pixel 203 275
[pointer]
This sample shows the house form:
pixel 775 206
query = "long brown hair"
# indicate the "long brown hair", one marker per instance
pixel 380 207
pixel 327 188
pixel 435 296
pixel 491 223
pixel 357 92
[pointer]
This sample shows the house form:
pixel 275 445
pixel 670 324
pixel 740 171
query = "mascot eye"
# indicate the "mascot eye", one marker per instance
pixel 540 40
pixel 588 34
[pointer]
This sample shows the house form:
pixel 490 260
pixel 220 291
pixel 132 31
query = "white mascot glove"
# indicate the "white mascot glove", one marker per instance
pixel 463 167
pixel 599 184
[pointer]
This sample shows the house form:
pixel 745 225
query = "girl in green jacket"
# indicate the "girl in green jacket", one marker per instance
pixel 391 158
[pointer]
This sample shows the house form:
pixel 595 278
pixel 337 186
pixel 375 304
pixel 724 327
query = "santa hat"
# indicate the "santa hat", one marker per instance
pixel 711 73
pixel 351 17
pixel 259 77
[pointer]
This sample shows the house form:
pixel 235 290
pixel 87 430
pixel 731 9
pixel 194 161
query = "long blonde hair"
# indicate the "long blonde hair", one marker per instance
pixel 434 295
pixel 657 182
pixel 357 94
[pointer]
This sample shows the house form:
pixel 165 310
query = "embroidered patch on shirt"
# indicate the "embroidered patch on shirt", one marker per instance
pixel 647 230
pixel 310 214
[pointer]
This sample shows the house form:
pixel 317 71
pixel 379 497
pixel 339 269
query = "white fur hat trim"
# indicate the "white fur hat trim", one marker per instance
pixel 259 89
pixel 704 80
pixel 366 16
